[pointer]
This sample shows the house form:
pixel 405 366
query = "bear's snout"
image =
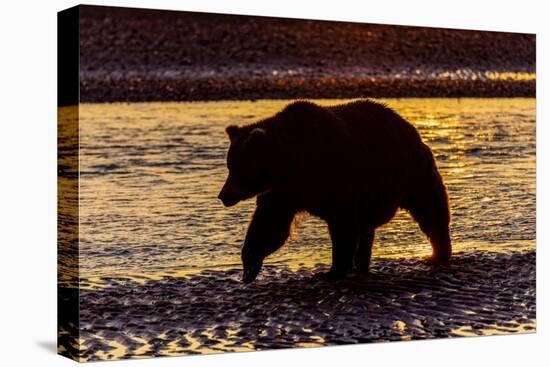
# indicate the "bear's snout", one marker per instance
pixel 227 199
pixel 229 194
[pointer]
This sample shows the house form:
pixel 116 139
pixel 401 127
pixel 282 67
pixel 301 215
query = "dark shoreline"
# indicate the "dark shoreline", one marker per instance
pixel 478 293
pixel 213 89
pixel 151 55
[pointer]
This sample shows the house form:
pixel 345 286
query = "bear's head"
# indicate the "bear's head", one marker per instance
pixel 247 161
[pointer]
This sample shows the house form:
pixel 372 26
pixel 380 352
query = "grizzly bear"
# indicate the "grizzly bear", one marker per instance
pixel 352 165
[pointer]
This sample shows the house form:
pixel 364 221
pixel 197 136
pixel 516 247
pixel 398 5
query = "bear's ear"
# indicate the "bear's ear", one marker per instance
pixel 231 131
pixel 256 136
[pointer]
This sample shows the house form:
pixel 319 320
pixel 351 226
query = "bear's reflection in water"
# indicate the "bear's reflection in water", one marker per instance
pixel 399 300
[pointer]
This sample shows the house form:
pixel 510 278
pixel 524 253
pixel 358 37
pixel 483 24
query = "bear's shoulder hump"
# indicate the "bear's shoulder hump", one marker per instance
pixel 301 106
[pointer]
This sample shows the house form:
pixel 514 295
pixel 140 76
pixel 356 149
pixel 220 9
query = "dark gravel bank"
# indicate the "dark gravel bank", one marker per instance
pixel 146 55
pixel 478 293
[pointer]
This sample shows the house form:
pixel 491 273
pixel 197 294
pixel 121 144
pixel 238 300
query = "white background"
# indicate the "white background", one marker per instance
pixel 28 182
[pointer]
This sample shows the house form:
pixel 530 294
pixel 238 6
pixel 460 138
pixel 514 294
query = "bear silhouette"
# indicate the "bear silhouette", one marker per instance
pixel 352 165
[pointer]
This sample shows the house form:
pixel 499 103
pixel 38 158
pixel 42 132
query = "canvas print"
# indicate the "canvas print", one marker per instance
pixel 233 183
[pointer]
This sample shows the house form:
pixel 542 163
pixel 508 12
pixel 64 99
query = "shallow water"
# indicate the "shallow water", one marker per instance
pixel 151 172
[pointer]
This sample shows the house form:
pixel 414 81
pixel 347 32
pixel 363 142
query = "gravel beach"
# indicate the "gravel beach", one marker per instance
pixel 151 55
pixel 478 293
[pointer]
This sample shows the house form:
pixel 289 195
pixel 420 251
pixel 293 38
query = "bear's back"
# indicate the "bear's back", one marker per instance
pixel 382 144
pixel 376 120
pixel 358 128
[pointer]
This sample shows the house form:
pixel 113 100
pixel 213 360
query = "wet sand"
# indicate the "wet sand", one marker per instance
pixel 147 55
pixel 478 293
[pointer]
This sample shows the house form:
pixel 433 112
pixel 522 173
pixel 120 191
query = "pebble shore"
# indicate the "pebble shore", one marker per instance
pixel 478 293
pixel 138 55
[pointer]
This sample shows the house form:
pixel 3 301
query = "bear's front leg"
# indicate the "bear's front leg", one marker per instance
pixel 268 231
pixel 344 242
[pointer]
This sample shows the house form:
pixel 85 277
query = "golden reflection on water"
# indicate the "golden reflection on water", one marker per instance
pixel 67 192
pixel 118 350
pixel 150 174
pixel 512 327
pixel 468 74
pixel 495 75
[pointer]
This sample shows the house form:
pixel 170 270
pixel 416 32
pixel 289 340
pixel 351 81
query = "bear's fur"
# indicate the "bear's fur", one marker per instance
pixel 353 165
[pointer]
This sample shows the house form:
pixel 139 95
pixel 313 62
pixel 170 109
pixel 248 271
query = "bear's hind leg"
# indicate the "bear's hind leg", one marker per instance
pixel 441 245
pixel 344 242
pixel 431 211
pixel 364 250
